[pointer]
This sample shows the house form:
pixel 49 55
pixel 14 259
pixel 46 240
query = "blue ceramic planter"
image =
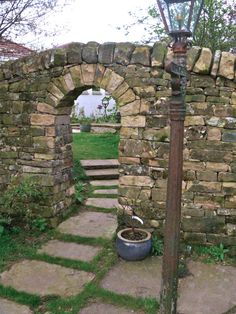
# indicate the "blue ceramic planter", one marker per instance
pixel 133 250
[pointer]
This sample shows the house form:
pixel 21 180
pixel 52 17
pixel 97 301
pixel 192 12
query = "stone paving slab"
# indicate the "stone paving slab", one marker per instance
pixel 99 163
pixel 104 308
pixel 138 279
pixel 37 277
pixel 70 250
pixel 210 290
pixel 104 182
pixel 106 191
pixel 90 224
pixel 10 307
pixel 102 173
pixel 102 202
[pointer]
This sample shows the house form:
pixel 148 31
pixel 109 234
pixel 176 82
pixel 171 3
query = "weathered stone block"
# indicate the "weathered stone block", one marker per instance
pixel 76 75
pixel 194 237
pixel 88 73
pixel 224 100
pixel 129 160
pixel 42 119
pixel 214 134
pixel 208 155
pixel 156 122
pixel 227 65
pixel 229 136
pixel 204 187
pixel 216 63
pixel 133 122
pixel 145 92
pixel 130 109
pixel 158 54
pixel 192 55
pixel 216 166
pixel 45 108
pixel 227 177
pixel 59 57
pixel 90 52
pixel 113 82
pixel 43 143
pixel 202 81
pixel 203 224
pixel 194 120
pixel 123 53
pixel 127 97
pixel 74 53
pixel 136 148
pixel 195 98
pixel 157 135
pixel 204 61
pixel 206 175
pixel 136 181
pixel 121 90
pixel 141 55
pixel 106 53
pixel 129 132
pixel 215 121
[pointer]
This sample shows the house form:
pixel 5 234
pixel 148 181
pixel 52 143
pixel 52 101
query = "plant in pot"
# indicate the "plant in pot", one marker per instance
pixel 133 243
pixel 85 124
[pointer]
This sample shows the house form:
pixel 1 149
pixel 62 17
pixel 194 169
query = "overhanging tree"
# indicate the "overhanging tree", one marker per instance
pixel 20 17
pixel 216 28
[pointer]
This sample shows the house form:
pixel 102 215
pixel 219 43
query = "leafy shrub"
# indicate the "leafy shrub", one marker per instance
pixel 157 246
pixel 39 223
pixel 5 222
pixel 79 191
pixel 20 201
pixel 215 253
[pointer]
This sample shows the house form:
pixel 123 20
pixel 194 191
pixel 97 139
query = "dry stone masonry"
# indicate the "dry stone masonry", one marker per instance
pixel 36 99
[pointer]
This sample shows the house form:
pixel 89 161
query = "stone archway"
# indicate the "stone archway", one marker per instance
pixel 39 94
pixel 36 97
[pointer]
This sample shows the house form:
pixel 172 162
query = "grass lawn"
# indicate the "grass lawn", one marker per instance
pixel 95 146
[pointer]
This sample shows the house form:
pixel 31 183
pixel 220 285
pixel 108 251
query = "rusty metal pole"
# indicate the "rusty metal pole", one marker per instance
pixel 169 289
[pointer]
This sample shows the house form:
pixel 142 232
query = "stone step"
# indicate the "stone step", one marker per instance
pixel 104 183
pixel 102 174
pixel 102 202
pixel 106 191
pixel 99 163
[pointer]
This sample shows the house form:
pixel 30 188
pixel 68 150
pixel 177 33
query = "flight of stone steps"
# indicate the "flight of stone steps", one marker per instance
pixel 101 169
pixel 103 175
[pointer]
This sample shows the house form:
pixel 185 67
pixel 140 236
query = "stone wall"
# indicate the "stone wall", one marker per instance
pixel 36 99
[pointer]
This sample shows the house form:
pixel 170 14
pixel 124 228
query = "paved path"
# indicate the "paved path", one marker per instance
pixel 210 289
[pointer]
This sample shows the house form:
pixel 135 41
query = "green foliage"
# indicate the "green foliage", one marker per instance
pixel 80 191
pixel 157 246
pixel 40 224
pixel 211 253
pixel 216 28
pixel 147 19
pixel 5 222
pixel 21 200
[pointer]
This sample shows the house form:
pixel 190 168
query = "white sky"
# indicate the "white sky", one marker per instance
pixel 96 20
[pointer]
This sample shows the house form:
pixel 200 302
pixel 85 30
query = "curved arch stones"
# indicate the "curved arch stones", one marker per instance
pixel 36 98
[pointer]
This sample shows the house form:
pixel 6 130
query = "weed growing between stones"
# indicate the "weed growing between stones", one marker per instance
pixel 157 246
pixel 210 254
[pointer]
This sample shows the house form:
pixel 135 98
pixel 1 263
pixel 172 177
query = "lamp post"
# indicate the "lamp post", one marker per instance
pixel 105 103
pixel 180 18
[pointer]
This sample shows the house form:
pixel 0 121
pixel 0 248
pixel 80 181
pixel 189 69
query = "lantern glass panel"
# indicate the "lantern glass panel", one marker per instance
pixel 181 15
